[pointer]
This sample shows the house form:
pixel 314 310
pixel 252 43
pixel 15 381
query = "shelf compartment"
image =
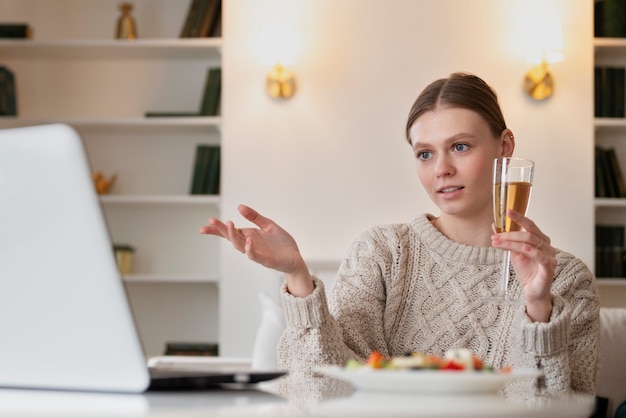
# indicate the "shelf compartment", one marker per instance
pixel 153 278
pixel 160 199
pixel 617 281
pixel 610 123
pixel 610 202
pixel 141 124
pixel 161 49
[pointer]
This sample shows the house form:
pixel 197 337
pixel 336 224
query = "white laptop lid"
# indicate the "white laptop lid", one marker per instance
pixel 65 322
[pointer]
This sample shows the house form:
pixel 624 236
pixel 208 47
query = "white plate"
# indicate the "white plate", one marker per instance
pixel 426 381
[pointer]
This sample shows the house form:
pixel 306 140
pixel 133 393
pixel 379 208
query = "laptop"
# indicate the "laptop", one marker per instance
pixel 65 320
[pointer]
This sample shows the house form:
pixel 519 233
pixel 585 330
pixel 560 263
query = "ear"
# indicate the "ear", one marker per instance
pixel 507 142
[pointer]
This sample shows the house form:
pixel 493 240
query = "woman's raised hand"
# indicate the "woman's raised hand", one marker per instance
pixel 534 261
pixel 269 245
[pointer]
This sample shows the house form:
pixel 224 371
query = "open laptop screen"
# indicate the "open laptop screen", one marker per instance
pixel 65 320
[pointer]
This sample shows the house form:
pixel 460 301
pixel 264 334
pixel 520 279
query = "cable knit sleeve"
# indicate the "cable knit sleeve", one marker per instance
pixel 350 326
pixel 567 347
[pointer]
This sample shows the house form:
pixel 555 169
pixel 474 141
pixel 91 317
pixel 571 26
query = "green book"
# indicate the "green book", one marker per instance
pixel 209 103
pixel 195 172
pixel 176 348
pixel 210 14
pixel 618 90
pixel 607 177
pixel 598 18
pixel 609 247
pixel 8 105
pixel 151 114
pixel 15 30
pixel 193 16
pixel 196 26
pixel 198 172
pixel 213 175
pixel 613 24
pixel 616 173
pixel 600 190
pixel 603 239
pixel 212 89
pixel 216 28
pixel 599 80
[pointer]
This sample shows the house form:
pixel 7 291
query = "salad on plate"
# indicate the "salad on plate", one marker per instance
pixel 457 360
pixel 457 372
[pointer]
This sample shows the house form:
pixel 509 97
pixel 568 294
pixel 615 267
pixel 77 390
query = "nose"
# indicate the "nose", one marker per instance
pixel 444 166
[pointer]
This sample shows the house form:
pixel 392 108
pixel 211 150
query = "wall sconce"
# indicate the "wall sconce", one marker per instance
pixel 280 83
pixel 536 34
pixel 278 49
pixel 538 82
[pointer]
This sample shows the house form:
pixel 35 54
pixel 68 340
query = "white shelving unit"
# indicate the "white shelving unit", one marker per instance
pixel 73 71
pixel 611 132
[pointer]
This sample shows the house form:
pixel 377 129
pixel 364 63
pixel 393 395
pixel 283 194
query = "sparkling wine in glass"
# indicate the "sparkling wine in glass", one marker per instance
pixel 512 184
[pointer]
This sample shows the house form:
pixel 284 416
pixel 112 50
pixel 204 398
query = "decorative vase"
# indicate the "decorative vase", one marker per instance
pixel 126 27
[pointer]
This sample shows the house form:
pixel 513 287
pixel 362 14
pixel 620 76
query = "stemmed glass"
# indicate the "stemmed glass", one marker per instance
pixel 512 183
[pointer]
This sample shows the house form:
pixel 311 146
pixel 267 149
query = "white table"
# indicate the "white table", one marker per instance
pixel 335 399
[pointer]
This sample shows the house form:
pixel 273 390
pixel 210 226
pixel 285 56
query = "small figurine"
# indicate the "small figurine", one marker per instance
pixel 126 27
pixel 102 184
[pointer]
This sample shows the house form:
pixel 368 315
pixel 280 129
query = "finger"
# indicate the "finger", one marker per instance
pixel 255 217
pixel 522 220
pixel 236 236
pixel 537 238
pixel 214 227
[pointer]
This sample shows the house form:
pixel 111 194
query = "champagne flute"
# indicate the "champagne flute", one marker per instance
pixel 512 183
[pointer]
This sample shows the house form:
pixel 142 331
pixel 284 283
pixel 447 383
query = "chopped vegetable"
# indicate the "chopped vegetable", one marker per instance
pixel 376 360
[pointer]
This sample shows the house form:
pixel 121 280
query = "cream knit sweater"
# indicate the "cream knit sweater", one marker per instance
pixel 406 287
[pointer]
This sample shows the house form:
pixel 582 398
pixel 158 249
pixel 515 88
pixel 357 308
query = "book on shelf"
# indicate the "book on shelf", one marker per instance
pixel 8 101
pixel 609 91
pixel 216 28
pixel 209 102
pixel 204 19
pixel 213 176
pixel 212 92
pixel 609 247
pixel 206 170
pixel 15 31
pixel 609 179
pixel 166 114
pixel 184 348
pixel 616 173
pixel 609 18
pixel 192 14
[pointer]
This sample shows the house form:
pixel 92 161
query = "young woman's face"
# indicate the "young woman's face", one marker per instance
pixel 454 151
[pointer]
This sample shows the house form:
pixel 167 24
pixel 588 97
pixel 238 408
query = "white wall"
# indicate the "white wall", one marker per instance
pixel 333 161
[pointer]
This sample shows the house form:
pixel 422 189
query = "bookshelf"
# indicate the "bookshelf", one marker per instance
pixel 610 132
pixel 73 71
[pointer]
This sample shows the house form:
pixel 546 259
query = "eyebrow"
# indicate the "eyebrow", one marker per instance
pixel 453 138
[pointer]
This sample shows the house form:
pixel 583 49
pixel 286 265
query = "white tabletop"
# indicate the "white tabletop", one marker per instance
pixel 329 399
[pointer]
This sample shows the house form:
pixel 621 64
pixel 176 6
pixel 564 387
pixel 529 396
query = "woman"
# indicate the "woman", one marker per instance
pixel 421 285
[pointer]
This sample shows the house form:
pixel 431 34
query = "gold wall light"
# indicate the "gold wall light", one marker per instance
pixel 538 82
pixel 280 83
pixel 537 34
pixel 278 45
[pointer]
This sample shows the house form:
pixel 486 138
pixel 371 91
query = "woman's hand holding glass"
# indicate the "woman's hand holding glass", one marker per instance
pixel 269 245
pixel 534 261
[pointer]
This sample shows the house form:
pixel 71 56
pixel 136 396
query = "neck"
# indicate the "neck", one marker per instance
pixel 473 231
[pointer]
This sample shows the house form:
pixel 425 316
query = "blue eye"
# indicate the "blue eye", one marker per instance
pixel 424 155
pixel 461 147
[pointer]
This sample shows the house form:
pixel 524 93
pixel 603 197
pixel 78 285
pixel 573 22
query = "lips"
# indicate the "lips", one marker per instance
pixel 449 189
